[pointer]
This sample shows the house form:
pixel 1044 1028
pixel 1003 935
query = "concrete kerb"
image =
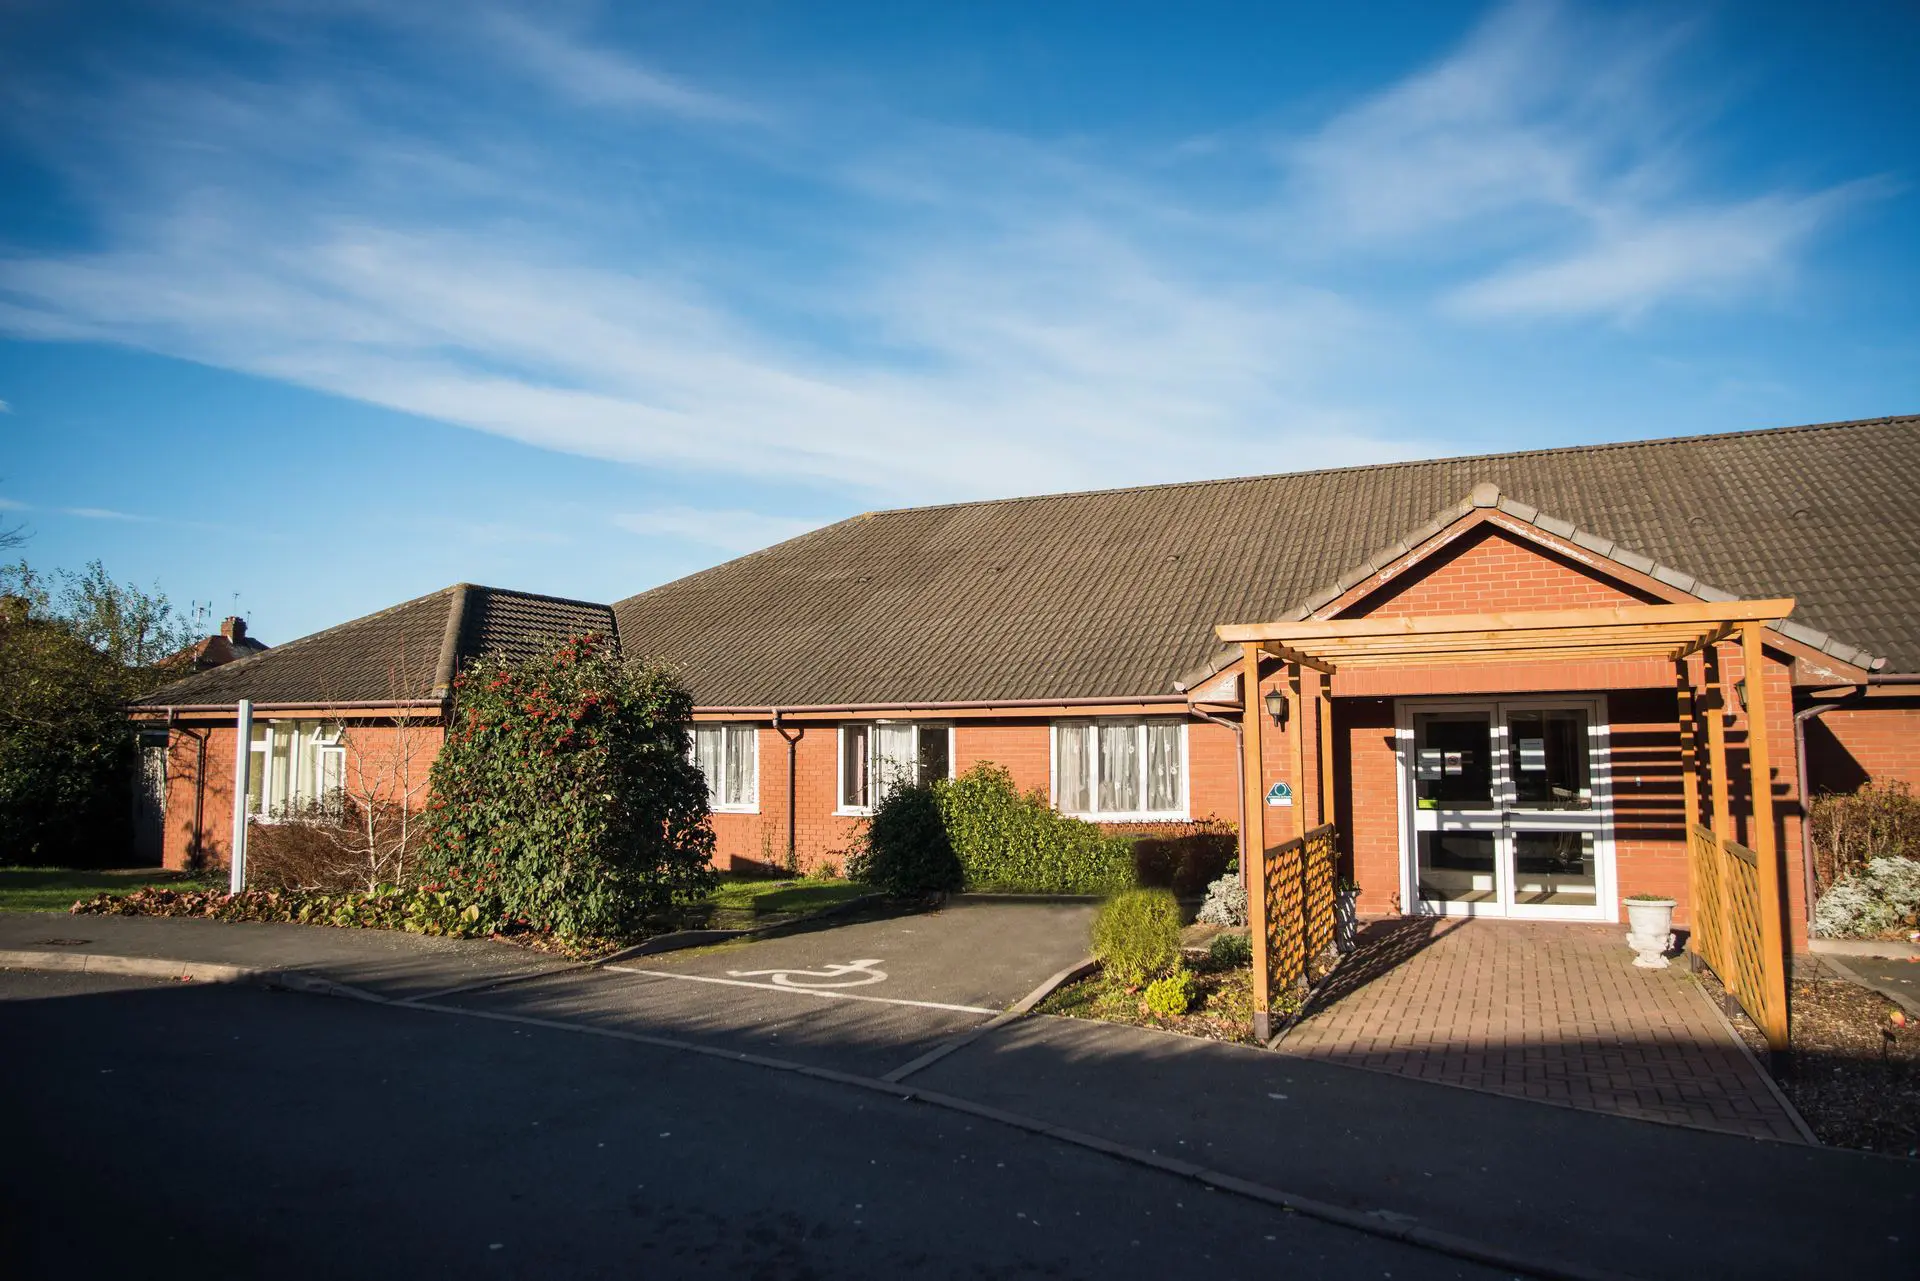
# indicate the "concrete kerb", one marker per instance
pixel 1760 1069
pixel 176 971
pixel 1020 1008
pixel 1377 1223
pixel 1883 950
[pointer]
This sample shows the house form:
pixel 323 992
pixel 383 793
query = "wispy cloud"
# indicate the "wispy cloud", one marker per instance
pixel 1553 139
pixel 1712 255
pixel 923 312
pixel 733 531
pixel 14 505
pixel 103 513
pixel 575 69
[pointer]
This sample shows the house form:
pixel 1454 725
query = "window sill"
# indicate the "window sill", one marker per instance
pixel 847 813
pixel 1164 817
pixel 733 809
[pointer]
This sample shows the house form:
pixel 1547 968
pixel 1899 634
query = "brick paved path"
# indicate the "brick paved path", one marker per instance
pixel 1546 1011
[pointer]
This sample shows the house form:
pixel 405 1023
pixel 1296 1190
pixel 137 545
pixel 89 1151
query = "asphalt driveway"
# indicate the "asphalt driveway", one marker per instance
pixel 864 996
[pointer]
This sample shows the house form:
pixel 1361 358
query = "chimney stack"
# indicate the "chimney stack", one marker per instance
pixel 234 629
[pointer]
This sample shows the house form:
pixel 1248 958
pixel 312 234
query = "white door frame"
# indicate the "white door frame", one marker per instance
pixel 1598 820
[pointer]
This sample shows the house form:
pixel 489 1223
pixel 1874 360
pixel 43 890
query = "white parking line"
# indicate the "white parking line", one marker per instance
pixel 824 993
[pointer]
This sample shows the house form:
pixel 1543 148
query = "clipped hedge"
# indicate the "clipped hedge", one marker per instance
pixel 1183 857
pixel 1008 841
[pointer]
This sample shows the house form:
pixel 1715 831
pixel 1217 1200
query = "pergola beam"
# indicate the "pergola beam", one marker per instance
pixel 1700 642
pixel 1303 631
pixel 1287 654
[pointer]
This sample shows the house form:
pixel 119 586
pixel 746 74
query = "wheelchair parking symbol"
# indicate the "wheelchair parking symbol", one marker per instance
pixel 852 974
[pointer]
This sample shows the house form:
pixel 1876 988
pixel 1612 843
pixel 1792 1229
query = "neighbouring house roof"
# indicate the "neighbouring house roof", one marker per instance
pixel 407 652
pixel 1115 593
pixel 217 651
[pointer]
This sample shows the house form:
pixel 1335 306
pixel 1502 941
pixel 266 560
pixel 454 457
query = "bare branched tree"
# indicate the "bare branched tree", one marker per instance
pixel 363 833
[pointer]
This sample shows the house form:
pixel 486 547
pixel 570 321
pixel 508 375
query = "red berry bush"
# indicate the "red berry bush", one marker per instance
pixel 564 800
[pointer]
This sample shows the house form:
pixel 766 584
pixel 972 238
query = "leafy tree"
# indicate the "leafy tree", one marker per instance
pixel 74 651
pixel 564 799
pixel 136 629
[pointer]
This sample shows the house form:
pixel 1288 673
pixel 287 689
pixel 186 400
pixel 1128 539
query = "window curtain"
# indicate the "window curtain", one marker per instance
pixel 742 743
pixel 893 758
pixel 706 757
pixel 1163 766
pixel 1071 779
pixel 1119 761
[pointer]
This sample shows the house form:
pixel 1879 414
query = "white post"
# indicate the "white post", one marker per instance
pixel 242 758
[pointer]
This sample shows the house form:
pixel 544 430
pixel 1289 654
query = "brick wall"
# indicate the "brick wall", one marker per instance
pixel 1851 746
pixel 1491 569
pixel 380 757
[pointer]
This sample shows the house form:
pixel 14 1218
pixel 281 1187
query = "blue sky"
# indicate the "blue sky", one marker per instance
pixel 327 305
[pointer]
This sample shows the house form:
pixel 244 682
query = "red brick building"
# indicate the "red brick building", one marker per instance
pixel 1071 639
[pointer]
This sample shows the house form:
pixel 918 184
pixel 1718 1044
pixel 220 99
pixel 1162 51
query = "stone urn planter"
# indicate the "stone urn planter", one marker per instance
pixel 1650 930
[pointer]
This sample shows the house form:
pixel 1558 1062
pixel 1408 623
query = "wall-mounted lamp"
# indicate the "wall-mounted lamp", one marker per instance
pixel 1277 706
pixel 1740 692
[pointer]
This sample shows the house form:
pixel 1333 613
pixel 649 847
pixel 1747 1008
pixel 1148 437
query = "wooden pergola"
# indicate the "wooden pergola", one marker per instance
pixel 1742 940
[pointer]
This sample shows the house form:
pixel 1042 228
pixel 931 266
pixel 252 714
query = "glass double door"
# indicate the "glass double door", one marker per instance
pixel 1509 809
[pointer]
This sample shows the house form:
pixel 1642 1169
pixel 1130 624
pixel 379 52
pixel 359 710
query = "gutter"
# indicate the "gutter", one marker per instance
pixel 1240 762
pixel 980 704
pixel 1856 697
pixel 793 747
pixel 170 709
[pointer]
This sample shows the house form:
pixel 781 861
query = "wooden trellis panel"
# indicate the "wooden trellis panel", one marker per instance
pixel 1746 973
pixel 1286 903
pixel 1299 877
pixel 1727 929
pixel 1709 898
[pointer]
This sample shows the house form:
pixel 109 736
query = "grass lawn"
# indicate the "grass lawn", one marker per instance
pixel 757 896
pixel 54 889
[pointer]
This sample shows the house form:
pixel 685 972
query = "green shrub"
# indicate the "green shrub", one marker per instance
pixel 906 851
pixel 1137 935
pixel 564 800
pixel 1008 841
pixel 1230 952
pixel 1881 820
pixel 1173 995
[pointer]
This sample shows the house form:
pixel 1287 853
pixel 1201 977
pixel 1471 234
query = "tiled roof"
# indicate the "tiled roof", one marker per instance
pixel 407 652
pixel 1115 593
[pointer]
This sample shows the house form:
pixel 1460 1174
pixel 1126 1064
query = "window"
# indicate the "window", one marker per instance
pixel 294 766
pixel 729 757
pixel 1120 769
pixel 877 757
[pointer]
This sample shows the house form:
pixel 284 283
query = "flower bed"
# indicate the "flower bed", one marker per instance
pixel 427 909
pixel 1222 1007
pixel 1853 1069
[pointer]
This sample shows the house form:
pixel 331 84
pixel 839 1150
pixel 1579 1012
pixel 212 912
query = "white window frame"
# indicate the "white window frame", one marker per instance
pixel 747 807
pixel 840 807
pixel 1597 820
pixel 312 745
pixel 1179 815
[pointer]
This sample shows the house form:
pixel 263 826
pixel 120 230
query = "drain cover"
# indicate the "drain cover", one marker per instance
pixel 61 942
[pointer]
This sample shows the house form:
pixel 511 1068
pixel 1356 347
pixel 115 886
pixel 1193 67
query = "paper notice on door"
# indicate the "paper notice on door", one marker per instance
pixel 1533 756
pixel 1430 764
pixel 1455 762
